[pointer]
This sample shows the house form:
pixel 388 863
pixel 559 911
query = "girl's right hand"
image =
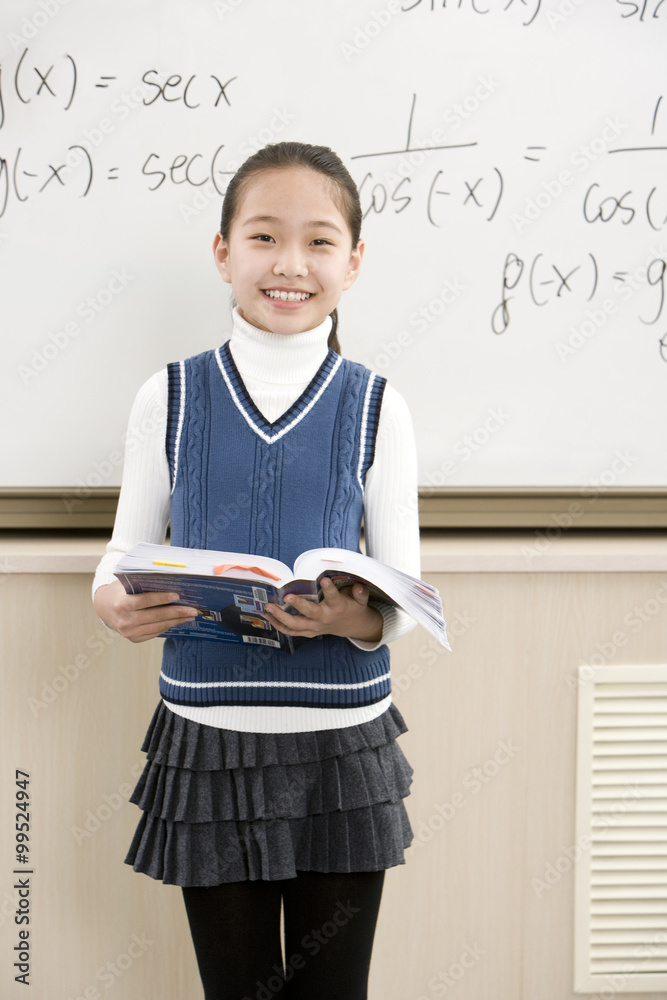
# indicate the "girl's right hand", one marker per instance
pixel 139 617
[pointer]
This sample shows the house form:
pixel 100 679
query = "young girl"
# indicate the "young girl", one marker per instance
pixel 273 777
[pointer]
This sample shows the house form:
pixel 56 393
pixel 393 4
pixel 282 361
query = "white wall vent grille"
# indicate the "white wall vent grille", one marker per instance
pixel 621 830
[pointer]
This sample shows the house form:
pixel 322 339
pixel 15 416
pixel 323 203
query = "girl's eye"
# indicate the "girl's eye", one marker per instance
pixel 263 238
pixel 322 243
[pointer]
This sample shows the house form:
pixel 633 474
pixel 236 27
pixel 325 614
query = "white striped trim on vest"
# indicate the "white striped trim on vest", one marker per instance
pixel 275 684
pixel 300 415
pixel 364 431
pixel 181 416
pixel 301 407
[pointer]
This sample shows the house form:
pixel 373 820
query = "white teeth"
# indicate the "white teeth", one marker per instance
pixel 288 296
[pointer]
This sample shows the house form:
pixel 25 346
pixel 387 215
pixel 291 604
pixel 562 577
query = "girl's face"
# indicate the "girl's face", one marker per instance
pixel 289 256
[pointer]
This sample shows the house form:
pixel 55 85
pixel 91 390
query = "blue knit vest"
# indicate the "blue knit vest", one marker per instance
pixel 242 484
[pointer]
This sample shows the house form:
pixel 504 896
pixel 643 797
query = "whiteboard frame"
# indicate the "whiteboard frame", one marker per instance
pixel 552 511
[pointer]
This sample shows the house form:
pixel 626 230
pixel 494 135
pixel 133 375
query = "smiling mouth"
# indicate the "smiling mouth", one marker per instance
pixel 272 293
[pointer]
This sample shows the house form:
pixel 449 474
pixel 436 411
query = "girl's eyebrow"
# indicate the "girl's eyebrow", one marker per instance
pixel 324 223
pixel 254 219
pixel 273 220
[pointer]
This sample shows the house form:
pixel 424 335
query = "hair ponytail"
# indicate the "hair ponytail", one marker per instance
pixel 333 341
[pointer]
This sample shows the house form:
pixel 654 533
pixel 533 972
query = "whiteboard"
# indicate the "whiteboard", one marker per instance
pixel 511 159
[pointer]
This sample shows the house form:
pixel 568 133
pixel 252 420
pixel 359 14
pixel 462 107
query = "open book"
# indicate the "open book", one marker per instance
pixel 230 589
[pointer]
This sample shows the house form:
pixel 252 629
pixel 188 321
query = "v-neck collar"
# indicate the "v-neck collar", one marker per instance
pixel 273 431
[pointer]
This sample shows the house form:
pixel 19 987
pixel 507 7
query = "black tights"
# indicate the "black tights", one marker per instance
pixel 329 926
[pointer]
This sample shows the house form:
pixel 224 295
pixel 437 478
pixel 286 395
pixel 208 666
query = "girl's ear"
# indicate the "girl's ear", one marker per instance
pixel 221 257
pixel 355 264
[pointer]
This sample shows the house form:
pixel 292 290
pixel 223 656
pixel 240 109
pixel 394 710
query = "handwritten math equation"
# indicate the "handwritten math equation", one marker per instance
pixel 543 281
pixel 528 10
pixel 419 177
pixel 397 185
pixel 61 79
pixel 25 174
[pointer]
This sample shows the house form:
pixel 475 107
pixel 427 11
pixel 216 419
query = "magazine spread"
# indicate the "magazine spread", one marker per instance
pixel 230 589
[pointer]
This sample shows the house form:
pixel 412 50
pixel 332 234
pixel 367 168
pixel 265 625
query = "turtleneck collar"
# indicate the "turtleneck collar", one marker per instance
pixel 274 357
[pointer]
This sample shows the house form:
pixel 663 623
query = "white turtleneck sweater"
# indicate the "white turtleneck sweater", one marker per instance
pixel 275 369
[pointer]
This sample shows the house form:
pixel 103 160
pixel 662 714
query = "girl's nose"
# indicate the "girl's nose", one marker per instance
pixel 291 263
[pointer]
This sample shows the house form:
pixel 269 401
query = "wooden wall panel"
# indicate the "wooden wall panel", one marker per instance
pixel 491 737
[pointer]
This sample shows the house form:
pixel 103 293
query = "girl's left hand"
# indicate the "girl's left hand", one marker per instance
pixel 342 612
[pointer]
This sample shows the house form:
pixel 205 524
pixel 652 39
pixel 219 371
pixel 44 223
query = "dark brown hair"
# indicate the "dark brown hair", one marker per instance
pixel 283 155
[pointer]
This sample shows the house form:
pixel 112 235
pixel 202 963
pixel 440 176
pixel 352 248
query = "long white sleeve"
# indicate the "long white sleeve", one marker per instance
pixel 391 517
pixel 143 506
pixel 390 513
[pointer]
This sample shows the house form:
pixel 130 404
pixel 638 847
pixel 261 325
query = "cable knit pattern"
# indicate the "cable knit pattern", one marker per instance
pixel 346 448
pixel 267 504
pixel 276 371
pixel 287 513
pixel 196 427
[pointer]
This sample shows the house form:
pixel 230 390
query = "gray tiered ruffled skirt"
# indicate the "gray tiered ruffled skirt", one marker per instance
pixel 226 806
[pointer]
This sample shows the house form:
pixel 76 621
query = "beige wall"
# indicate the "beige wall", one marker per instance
pixel 504 701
